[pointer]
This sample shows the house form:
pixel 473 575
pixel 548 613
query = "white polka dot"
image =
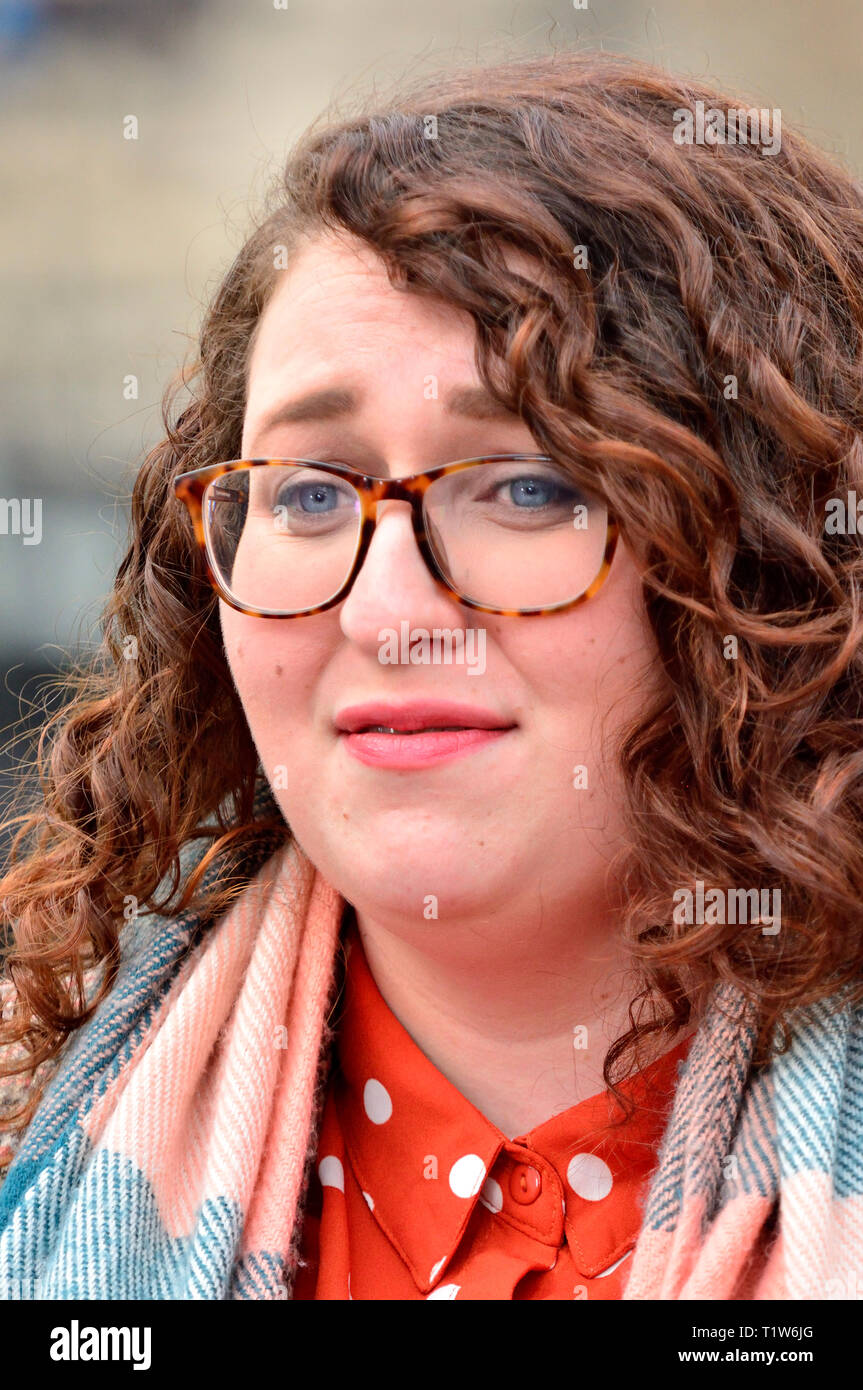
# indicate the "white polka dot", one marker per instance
pixel 376 1099
pixel 467 1175
pixel 445 1291
pixel 612 1268
pixel 331 1172
pixel 589 1177
pixel 491 1195
pixel 436 1269
pixel 370 1201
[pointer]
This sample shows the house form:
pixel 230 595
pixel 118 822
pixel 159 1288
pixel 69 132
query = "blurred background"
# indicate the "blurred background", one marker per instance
pixel 109 247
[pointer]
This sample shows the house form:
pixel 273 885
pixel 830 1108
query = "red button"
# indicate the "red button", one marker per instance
pixel 525 1184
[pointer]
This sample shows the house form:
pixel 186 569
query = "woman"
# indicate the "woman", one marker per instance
pixel 524 959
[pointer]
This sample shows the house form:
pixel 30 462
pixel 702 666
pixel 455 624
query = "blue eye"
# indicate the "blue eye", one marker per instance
pixel 533 492
pixel 311 497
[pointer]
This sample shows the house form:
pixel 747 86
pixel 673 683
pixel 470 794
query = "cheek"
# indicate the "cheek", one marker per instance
pixel 275 672
pixel 576 662
pixel 589 672
pixel 258 667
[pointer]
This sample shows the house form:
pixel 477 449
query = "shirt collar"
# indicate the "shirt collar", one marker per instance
pixel 405 1125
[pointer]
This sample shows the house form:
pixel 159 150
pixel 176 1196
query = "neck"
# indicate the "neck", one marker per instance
pixel 517 1015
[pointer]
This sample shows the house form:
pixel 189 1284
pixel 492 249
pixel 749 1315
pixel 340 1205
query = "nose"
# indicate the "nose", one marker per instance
pixel 394 584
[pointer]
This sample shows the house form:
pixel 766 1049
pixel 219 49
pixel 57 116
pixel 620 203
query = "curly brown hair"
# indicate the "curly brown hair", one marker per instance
pixel 701 368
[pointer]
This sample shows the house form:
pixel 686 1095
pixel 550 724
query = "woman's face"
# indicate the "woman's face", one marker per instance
pixel 489 829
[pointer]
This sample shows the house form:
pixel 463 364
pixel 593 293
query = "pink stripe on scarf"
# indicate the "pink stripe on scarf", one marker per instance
pixel 194 1108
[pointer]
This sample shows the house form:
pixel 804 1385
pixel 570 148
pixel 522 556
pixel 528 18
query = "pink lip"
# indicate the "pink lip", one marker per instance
pixel 404 751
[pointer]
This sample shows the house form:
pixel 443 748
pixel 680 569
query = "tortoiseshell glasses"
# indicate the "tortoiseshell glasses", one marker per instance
pixel 507 533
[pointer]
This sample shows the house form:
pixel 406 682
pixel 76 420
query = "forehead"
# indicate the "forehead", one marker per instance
pixel 335 303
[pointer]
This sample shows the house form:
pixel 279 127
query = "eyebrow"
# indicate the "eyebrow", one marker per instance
pixel 334 402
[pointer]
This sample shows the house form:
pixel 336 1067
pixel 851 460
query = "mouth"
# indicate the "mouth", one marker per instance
pixel 426 729
pixel 410 737
pixel 418 716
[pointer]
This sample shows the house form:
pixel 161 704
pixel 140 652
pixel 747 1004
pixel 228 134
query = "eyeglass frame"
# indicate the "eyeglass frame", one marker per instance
pixel 189 488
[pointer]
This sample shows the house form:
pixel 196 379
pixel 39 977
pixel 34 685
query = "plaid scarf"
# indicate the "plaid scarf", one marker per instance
pixel 170 1155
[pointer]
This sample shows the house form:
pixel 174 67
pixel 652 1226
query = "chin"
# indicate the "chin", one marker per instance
pixel 414 888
